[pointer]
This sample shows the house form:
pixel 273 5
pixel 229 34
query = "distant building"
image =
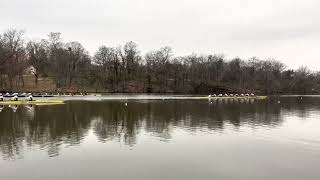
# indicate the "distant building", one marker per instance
pixel 30 70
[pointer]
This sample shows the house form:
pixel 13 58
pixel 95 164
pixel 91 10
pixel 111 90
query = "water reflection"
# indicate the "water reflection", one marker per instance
pixel 54 127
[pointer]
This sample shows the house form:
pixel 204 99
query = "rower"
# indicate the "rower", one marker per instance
pixel 1 97
pixel 15 97
pixel 29 97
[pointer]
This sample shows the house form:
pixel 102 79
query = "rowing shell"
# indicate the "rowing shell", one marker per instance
pixel 215 97
pixel 36 102
pixel 240 97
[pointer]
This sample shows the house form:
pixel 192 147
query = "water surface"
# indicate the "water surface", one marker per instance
pixel 183 139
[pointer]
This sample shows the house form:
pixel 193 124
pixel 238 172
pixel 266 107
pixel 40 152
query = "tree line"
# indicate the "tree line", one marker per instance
pixel 125 69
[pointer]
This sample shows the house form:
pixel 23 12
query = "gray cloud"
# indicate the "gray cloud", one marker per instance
pixel 287 30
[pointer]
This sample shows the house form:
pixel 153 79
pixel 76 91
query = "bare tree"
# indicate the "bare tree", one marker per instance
pixel 14 53
pixel 76 54
pixel 107 60
pixel 38 57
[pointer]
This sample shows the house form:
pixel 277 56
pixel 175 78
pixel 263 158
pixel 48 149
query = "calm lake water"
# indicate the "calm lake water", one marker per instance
pixel 162 140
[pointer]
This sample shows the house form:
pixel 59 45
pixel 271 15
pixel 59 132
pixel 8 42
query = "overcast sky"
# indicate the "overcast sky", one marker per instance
pixel 288 30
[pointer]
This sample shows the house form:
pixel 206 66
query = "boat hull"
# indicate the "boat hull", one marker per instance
pixel 37 102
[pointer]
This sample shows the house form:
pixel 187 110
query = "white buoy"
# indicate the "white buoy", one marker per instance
pixel 126 104
pixel 278 102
